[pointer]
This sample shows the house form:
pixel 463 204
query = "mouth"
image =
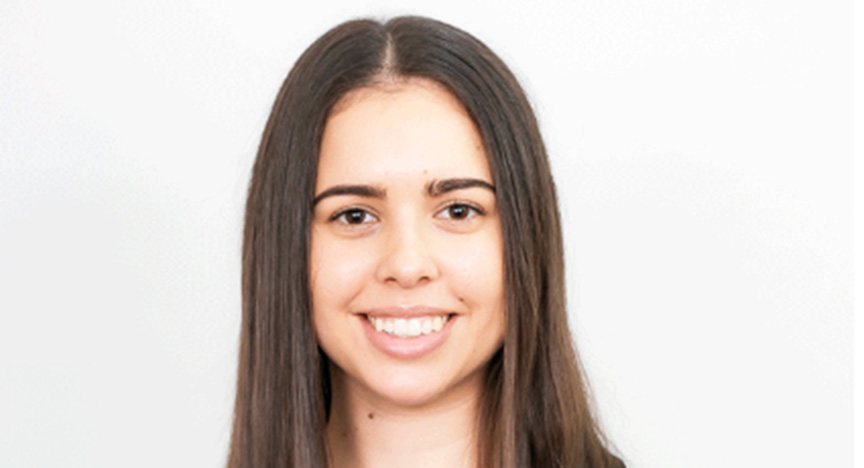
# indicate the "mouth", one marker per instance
pixel 407 337
pixel 403 327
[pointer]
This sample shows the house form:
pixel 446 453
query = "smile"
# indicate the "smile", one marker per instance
pixel 407 337
pixel 409 328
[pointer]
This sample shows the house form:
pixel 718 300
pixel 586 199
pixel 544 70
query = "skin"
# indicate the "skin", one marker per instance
pixel 398 246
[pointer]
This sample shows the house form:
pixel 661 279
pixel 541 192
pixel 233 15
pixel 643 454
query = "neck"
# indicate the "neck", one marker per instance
pixel 366 431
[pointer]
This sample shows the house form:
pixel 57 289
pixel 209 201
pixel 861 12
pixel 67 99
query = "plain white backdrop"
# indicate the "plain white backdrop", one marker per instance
pixel 702 149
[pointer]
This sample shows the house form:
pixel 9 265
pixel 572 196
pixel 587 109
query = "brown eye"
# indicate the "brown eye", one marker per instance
pixel 460 211
pixel 353 216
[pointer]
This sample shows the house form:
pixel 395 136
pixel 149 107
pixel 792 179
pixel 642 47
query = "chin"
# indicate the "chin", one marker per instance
pixel 413 388
pixel 409 398
pixel 407 387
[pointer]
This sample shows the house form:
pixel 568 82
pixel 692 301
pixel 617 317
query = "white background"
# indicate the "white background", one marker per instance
pixel 702 149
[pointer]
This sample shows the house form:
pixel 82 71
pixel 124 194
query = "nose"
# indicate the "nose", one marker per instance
pixel 407 259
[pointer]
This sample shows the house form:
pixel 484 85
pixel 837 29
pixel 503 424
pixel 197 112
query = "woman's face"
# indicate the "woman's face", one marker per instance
pixel 406 255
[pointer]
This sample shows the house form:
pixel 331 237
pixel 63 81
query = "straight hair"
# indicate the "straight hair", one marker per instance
pixel 535 410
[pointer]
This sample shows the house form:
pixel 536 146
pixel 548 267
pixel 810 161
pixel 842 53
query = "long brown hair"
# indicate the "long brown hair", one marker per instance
pixel 535 411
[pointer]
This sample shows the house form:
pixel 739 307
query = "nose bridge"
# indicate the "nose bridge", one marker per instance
pixel 407 253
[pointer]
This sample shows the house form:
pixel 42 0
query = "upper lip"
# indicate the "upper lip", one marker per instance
pixel 412 311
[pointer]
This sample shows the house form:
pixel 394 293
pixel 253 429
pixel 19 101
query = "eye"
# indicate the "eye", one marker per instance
pixel 353 217
pixel 460 211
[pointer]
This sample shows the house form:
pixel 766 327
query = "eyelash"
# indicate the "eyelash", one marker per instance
pixel 477 211
pixel 470 206
pixel 345 212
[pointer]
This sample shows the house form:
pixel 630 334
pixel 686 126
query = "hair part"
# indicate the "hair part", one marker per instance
pixel 535 410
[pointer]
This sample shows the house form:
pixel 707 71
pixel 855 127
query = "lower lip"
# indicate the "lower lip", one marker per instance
pixel 406 348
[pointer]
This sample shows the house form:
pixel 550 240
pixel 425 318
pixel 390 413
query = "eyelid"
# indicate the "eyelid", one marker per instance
pixel 342 212
pixel 471 205
pixel 478 211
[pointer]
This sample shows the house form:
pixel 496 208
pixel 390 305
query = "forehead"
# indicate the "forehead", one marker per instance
pixel 399 131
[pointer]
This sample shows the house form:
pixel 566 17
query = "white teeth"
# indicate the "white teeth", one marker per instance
pixel 414 327
pixel 408 328
pixel 400 327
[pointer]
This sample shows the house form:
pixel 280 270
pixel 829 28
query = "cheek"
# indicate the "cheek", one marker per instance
pixel 337 273
pixel 477 272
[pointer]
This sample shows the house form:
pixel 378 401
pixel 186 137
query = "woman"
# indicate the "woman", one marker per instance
pixel 403 271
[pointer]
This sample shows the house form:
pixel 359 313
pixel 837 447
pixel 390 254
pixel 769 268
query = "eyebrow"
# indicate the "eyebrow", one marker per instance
pixel 369 191
pixel 433 189
pixel 439 187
